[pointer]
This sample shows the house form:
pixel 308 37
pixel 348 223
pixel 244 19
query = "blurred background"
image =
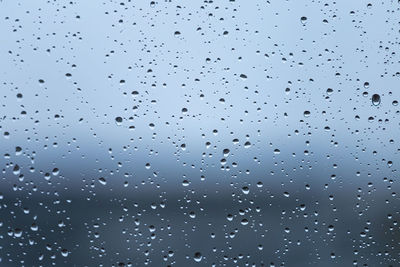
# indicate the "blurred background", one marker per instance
pixel 199 133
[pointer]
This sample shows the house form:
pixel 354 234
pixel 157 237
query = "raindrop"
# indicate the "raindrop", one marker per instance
pixel 118 120
pixel 245 190
pixel 102 180
pixel 198 257
pixel 226 152
pixel 376 99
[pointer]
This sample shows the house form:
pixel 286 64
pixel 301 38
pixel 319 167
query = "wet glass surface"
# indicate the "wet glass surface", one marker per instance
pixel 199 133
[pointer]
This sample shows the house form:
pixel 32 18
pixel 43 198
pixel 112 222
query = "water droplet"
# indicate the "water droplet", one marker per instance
pixel 102 180
pixel 376 99
pixel 243 76
pixel 226 152
pixel 198 257
pixel 118 120
pixel 64 252
pixel 18 150
pixel 55 171
pixel 16 170
pixel 245 190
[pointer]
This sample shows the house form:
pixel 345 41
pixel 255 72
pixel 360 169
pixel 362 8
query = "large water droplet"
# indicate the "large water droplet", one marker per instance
pixel 376 99
pixel 102 180
pixel 197 257
pixel 118 120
